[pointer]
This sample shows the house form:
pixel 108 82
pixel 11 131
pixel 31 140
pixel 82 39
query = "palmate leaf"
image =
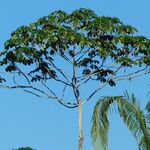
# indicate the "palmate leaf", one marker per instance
pixel 130 112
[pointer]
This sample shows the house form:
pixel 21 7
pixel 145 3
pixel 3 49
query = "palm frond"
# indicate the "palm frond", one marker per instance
pixel 100 123
pixel 129 110
pixel 147 120
pixel 135 120
pixel 147 116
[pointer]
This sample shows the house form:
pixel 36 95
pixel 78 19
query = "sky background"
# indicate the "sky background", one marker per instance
pixel 26 120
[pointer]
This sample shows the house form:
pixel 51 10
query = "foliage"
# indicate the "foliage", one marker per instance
pixel 25 148
pixel 137 120
pixel 100 48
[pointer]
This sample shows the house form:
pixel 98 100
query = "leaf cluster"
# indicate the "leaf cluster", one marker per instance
pixel 97 40
pixel 25 148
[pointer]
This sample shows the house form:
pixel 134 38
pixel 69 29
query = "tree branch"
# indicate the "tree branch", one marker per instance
pixel 15 87
pixel 23 74
pixel 99 88
pixel 133 74
pixel 130 77
pixel 63 92
pixel 86 80
pixel 65 104
pixel 65 75
pixel 84 53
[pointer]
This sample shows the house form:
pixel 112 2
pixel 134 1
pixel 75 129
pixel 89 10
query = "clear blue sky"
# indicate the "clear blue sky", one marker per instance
pixel 29 121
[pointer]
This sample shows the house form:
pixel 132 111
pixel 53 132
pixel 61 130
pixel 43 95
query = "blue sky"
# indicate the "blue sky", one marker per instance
pixel 44 125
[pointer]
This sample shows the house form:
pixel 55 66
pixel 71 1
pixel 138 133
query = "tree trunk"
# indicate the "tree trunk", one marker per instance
pixel 80 134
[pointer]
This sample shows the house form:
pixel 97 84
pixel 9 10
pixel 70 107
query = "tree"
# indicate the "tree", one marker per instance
pixel 137 120
pixel 73 51
pixel 25 148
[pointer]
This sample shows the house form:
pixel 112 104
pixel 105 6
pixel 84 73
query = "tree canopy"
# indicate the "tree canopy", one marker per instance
pixel 102 48
pixel 24 148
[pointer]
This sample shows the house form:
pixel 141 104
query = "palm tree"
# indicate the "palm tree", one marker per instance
pixel 137 120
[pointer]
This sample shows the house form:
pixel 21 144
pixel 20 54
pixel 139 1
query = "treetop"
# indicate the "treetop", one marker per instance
pixel 98 46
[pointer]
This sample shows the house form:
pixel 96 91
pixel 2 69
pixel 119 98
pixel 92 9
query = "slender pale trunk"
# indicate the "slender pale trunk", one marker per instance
pixel 80 133
pixel 77 95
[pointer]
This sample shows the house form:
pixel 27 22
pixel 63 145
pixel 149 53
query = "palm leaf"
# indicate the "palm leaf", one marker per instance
pixel 100 123
pixel 135 120
pixel 143 143
pixel 130 112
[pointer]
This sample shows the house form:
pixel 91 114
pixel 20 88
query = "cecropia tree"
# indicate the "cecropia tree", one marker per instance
pixel 61 55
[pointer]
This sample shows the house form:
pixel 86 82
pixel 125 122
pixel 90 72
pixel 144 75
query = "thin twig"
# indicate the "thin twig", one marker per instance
pixel 80 84
pixel 59 80
pixel 23 74
pixel 131 74
pixel 63 92
pixel 14 87
pixel 32 93
pixel 130 77
pixel 65 57
pixel 48 89
pixel 83 54
pixel 65 75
